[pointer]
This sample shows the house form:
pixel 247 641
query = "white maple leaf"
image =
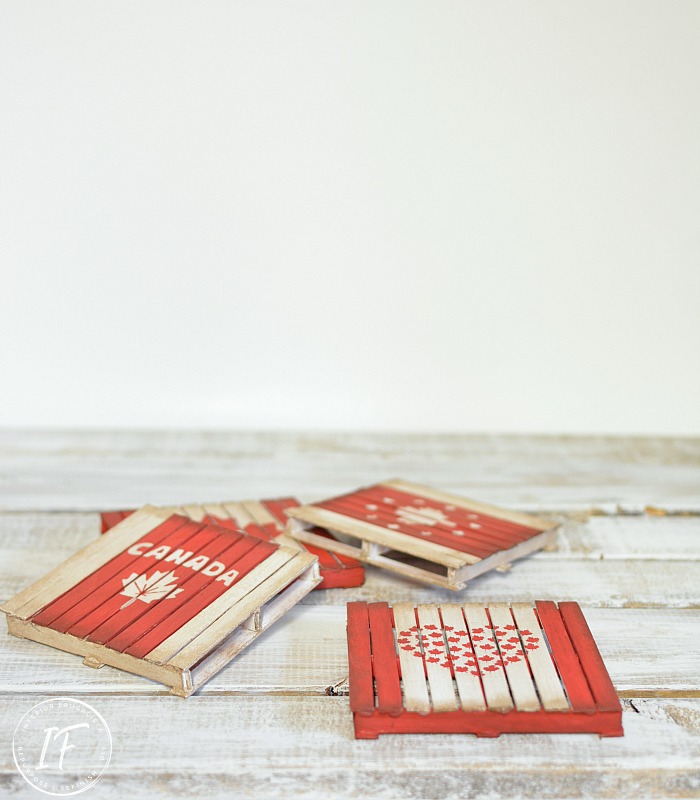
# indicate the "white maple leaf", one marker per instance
pixel 141 587
pixel 422 516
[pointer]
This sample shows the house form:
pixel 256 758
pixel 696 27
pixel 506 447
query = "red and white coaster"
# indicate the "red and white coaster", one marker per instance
pixel 265 519
pixel 163 596
pixel 422 533
pixel 472 669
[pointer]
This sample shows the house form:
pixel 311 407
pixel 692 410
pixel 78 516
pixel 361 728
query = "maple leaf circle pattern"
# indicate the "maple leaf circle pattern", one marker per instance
pixel 141 587
pixel 471 654
pixel 422 516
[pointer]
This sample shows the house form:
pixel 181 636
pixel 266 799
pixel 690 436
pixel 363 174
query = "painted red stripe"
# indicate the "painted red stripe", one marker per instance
pixel 84 617
pixel 565 658
pixel 199 601
pixel 386 675
pixel 264 532
pixel 591 661
pixel 84 590
pixel 461 516
pixel 462 544
pixel 360 659
pixel 277 506
pixel 232 550
pixel 210 540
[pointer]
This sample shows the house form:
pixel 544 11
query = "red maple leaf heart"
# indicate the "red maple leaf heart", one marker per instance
pixel 461 669
pixel 487 646
pixel 532 639
pixel 507 647
pixel 509 627
pixel 453 638
pixel 418 655
pixel 492 667
pixel 407 648
pixel 485 658
pixel 526 633
pixel 513 638
pixel 461 633
pixel 432 660
pixel 404 633
pixel 430 627
pixel 436 635
pixel 531 647
pixel 477 630
pixel 403 640
pixel 475 674
pixel 448 627
pixel 477 638
pixel 512 658
pixel 435 652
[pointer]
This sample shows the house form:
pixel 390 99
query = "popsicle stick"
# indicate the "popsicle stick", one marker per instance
pixel 415 688
pixel 466 672
pixel 487 658
pixel 437 661
pixel 544 672
pixel 514 660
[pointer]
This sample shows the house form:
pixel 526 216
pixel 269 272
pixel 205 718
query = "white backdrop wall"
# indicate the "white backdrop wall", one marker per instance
pixel 371 215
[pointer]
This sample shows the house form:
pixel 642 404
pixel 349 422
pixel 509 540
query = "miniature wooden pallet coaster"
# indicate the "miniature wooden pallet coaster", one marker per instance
pixel 165 597
pixel 265 519
pixel 469 669
pixel 422 533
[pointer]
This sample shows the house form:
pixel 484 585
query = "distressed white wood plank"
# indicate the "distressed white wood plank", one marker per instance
pixel 306 653
pixel 442 691
pixel 415 689
pixel 517 672
pixel 304 748
pixel 101 470
pixel 471 695
pixel 494 682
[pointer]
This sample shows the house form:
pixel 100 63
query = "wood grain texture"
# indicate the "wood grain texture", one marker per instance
pixel 266 725
pixel 259 747
pixel 74 470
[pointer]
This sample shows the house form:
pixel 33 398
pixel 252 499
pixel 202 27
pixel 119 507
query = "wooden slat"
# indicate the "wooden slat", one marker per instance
pixel 195 511
pixel 360 659
pixel 487 658
pixel 596 673
pixel 442 692
pixel 384 662
pixel 413 671
pixel 463 658
pixel 544 673
pixel 518 674
pixel 565 657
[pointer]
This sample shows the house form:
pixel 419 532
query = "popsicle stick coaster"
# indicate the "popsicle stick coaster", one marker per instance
pixel 165 597
pixel 422 533
pixel 267 520
pixel 467 668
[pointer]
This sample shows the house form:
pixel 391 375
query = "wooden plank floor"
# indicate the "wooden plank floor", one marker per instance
pixel 275 722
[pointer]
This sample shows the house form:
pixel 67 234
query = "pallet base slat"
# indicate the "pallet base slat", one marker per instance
pixel 464 669
pixel 203 605
pixel 421 533
pixel 265 519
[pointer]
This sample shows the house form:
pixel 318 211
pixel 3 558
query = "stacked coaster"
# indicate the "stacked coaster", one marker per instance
pixel 422 533
pixel 265 519
pixel 473 669
pixel 163 596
